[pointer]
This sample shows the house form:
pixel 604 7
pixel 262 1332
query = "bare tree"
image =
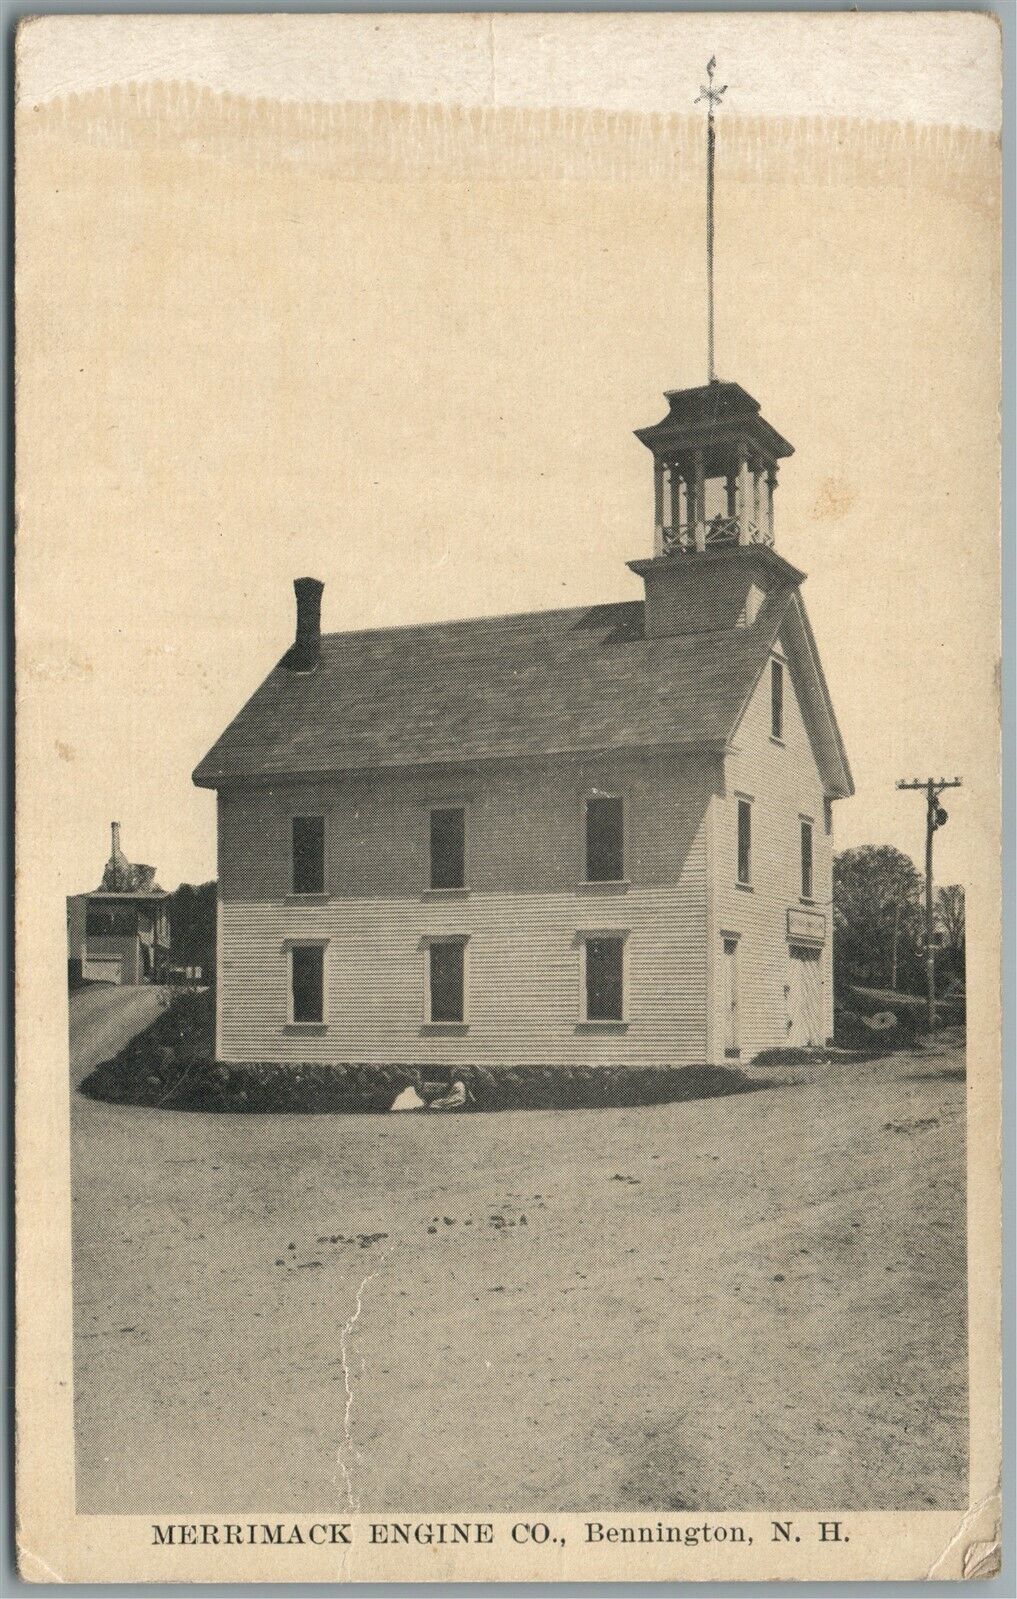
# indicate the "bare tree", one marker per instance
pixel 950 918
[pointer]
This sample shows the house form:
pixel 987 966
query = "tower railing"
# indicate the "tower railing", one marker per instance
pixel 717 531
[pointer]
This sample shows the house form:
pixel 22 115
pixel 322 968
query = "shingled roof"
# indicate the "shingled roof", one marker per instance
pixel 495 688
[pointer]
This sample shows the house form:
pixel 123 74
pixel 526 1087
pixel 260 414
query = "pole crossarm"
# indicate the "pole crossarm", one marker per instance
pixel 937 783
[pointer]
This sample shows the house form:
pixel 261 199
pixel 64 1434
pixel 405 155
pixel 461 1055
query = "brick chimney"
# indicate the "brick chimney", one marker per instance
pixel 303 657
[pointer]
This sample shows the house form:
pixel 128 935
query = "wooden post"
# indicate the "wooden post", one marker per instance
pixel 689 524
pixel 658 507
pixel 771 484
pixel 756 495
pixel 935 816
pixel 676 503
pixel 930 920
pixel 744 537
pixel 713 98
pixel 699 501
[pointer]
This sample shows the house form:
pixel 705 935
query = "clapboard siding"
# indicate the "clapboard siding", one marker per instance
pixel 523 977
pixel 524 829
pixel 784 783
pixel 522 915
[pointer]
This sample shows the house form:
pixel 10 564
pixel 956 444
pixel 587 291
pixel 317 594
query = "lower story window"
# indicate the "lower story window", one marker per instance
pixel 604 978
pixel 307 983
pixel 446 980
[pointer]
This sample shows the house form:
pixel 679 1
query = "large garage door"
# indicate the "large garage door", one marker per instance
pixel 102 969
pixel 805 998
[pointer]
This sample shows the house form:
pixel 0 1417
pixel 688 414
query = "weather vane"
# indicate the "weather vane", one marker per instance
pixel 707 91
pixel 713 98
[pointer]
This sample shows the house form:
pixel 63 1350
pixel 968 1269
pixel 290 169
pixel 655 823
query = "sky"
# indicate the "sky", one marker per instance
pixel 930 68
pixel 294 330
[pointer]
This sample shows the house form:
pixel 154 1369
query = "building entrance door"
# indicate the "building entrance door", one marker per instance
pixel 805 998
pixel 731 1046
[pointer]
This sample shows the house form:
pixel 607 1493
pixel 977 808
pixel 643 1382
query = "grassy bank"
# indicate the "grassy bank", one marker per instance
pixel 171 1065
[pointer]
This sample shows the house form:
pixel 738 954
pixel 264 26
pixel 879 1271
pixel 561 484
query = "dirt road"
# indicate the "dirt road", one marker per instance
pixel 105 1017
pixel 739 1303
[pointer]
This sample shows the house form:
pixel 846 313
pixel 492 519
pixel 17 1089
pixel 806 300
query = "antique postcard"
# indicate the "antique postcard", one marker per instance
pixel 508 916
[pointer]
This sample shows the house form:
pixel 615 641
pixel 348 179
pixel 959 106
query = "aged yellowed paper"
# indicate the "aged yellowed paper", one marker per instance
pixel 537 1115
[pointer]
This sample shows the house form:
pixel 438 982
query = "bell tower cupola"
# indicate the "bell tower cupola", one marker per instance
pixel 715 463
pixel 714 470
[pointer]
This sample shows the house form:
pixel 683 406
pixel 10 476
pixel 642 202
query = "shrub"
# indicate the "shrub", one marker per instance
pixel 792 1056
pixel 170 1066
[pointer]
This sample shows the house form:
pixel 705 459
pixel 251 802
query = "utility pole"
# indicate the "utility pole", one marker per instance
pixel 935 816
pixel 713 98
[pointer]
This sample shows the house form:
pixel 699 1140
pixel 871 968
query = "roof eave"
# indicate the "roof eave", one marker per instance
pixel 222 780
pixel 727 552
pixel 667 437
pixel 122 893
pixel 845 788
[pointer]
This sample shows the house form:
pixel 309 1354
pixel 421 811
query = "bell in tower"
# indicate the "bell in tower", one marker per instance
pixel 714 470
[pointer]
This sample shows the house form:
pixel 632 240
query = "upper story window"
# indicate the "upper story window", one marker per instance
pixel 745 842
pixel 777 699
pixel 110 924
pixel 448 847
pixel 307 983
pixel 806 831
pixel 605 839
pixel 308 855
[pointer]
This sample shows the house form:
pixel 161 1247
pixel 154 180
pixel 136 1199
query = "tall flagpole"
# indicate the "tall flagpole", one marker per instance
pixel 712 97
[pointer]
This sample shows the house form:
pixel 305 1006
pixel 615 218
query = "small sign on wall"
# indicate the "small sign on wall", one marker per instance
pixel 807 926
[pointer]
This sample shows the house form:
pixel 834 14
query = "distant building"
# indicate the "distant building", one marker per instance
pixel 120 932
pixel 594 835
